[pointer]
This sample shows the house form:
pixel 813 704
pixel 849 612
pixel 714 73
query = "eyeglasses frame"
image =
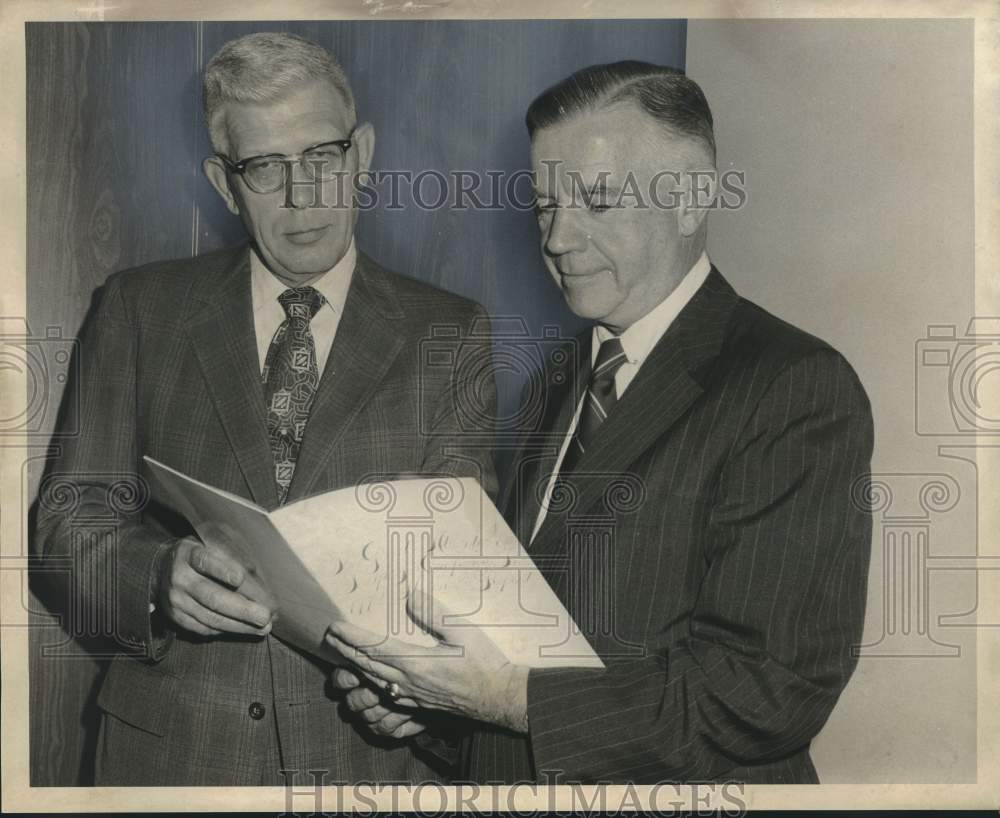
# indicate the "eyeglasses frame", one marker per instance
pixel 240 167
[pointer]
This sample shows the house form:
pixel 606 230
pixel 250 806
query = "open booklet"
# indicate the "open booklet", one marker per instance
pixel 358 553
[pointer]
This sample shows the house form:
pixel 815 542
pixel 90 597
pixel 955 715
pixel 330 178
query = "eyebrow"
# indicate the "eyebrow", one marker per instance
pixel 600 186
pixel 303 150
pixel 592 190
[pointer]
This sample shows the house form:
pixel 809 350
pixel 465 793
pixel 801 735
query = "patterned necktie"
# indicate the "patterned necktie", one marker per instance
pixel 290 379
pixel 597 403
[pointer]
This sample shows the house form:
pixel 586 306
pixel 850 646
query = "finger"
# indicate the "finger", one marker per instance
pixel 433 616
pixel 399 701
pixel 348 649
pixel 375 714
pixel 228 604
pixel 392 721
pixel 217 565
pixel 241 572
pixel 182 601
pixel 372 645
pixel 193 625
pixel 218 622
pixel 453 631
pixel 425 611
pixel 254 589
pixel 344 679
pixel 410 728
pixel 354 635
pixel 223 545
pixel 390 724
pixel 379 672
pixel 370 697
pixel 362 698
pixel 359 639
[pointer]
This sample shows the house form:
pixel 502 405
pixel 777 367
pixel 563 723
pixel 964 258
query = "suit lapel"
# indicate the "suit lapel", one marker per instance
pixel 536 455
pixel 222 333
pixel 667 384
pixel 366 344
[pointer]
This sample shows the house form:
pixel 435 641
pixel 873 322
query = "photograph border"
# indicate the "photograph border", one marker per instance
pixel 18 796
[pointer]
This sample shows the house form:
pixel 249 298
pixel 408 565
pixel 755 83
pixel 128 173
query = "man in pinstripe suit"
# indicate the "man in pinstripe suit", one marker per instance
pixel 726 586
pixel 272 371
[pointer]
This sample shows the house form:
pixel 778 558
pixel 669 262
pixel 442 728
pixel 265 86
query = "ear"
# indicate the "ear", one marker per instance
pixel 217 175
pixel 364 140
pixel 699 189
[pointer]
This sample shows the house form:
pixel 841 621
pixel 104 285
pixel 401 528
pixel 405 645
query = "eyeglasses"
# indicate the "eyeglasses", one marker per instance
pixel 266 174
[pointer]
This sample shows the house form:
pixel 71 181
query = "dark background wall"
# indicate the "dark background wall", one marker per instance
pixel 115 142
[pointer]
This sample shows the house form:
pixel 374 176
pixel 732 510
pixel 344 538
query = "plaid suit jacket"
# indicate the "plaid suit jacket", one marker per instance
pixel 168 368
pixel 710 546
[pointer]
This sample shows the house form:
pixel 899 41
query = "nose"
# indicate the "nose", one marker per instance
pixel 303 191
pixel 564 234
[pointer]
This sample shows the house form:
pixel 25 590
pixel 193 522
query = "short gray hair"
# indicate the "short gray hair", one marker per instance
pixel 260 68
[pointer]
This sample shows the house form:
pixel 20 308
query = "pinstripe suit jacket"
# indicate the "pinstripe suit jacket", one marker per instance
pixel 169 369
pixel 709 547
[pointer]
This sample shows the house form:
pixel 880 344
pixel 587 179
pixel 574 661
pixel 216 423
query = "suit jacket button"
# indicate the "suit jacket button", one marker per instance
pixel 257 711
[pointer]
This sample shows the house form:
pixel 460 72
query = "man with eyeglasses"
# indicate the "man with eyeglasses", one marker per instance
pixel 283 368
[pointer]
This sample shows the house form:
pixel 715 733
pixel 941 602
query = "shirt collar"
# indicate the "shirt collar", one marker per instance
pixel 640 338
pixel 333 284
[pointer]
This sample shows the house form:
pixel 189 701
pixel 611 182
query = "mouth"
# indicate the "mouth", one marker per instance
pixel 305 237
pixel 567 275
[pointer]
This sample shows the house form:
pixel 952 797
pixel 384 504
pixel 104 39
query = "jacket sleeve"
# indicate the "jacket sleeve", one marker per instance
pixel 782 603
pixel 90 546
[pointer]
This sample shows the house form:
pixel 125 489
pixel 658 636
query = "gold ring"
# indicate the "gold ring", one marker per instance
pixel 392 691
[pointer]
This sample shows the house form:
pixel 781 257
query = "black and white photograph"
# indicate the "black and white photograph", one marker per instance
pixel 456 404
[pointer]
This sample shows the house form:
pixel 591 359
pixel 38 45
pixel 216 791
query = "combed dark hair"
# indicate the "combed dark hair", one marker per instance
pixel 666 94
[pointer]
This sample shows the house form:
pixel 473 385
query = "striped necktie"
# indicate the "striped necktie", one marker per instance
pixel 290 379
pixel 597 403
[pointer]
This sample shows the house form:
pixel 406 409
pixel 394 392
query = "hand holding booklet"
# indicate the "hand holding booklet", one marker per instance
pixel 359 553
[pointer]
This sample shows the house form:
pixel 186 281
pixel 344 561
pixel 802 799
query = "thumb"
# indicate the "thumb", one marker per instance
pixel 430 614
pixel 344 679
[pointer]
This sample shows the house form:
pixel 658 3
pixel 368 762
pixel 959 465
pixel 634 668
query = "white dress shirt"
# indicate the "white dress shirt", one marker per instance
pixel 637 342
pixel 268 314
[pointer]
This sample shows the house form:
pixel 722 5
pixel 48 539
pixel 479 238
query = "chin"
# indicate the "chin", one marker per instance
pixel 312 260
pixel 589 308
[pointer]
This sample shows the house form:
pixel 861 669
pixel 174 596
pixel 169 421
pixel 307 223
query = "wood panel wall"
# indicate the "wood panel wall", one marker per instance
pixel 115 142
